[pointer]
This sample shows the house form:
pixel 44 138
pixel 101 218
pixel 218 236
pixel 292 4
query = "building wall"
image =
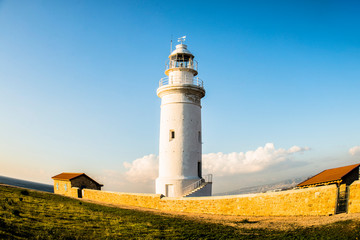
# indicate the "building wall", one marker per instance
pixel 351 176
pixel 64 187
pixel 309 201
pixel 84 182
pixel 354 198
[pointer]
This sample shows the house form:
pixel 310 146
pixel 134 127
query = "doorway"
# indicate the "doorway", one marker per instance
pixel 79 193
pixel 342 199
pixel 169 190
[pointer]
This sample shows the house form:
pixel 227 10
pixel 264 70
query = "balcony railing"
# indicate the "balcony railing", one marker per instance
pixel 181 81
pixel 192 64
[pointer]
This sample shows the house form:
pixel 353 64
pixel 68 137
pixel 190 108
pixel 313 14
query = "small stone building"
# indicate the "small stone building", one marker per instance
pixel 342 177
pixel 71 184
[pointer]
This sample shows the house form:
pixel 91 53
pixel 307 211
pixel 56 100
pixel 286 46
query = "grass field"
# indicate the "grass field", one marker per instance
pixel 26 214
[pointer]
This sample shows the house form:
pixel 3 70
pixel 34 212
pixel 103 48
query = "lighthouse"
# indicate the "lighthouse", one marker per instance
pixel 180 145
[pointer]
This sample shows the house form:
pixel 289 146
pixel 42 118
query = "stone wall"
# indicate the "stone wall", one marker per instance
pixel 132 199
pixel 354 198
pixel 74 192
pixel 308 201
pixel 62 187
pixel 311 201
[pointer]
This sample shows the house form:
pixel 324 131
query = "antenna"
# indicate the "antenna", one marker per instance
pixel 182 39
pixel 171 43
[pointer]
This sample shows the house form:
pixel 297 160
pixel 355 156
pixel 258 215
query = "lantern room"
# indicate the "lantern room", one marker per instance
pixel 181 59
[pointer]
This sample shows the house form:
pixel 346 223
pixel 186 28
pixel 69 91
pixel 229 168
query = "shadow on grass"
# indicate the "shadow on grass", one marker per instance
pixel 246 221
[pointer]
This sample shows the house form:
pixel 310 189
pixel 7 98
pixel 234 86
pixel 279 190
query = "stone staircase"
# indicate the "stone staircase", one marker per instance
pixel 197 186
pixel 195 190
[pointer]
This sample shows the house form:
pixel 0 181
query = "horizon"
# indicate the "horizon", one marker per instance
pixel 250 189
pixel 78 87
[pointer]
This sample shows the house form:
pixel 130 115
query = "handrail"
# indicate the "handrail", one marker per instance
pixel 208 178
pixel 173 80
pixel 188 189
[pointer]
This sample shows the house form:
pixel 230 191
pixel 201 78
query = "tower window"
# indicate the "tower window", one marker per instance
pixel 199 137
pixel 172 135
pixel 199 169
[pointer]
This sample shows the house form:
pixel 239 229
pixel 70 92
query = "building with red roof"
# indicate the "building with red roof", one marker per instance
pixel 341 175
pixel 71 184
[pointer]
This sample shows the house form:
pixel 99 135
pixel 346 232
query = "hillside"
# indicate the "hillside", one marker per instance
pixel 27 214
pixel 282 185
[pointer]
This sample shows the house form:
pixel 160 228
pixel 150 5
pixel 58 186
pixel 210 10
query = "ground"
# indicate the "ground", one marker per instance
pixel 28 214
pixel 278 223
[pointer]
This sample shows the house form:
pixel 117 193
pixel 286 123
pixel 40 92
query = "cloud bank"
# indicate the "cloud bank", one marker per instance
pixel 223 164
pixel 354 151
pixel 142 169
pixel 220 164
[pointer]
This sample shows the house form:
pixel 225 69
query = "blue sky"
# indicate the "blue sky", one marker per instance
pixel 78 86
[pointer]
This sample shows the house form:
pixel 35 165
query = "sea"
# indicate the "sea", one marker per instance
pixel 27 184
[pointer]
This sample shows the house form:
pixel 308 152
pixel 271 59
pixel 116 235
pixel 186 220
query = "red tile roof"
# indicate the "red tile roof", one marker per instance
pixel 67 176
pixel 329 175
pixel 70 176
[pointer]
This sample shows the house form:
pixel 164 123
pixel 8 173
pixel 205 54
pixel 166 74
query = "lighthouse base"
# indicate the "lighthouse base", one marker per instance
pixel 170 187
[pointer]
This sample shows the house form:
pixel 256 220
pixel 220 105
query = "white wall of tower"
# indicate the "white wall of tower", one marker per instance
pixel 181 77
pixel 180 146
pixel 180 138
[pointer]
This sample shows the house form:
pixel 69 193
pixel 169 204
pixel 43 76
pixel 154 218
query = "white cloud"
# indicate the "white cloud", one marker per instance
pixel 142 169
pixel 145 169
pixel 354 150
pixel 117 180
pixel 222 164
pixel 110 177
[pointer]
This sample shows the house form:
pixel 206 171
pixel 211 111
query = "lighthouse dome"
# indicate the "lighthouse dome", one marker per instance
pixel 181 49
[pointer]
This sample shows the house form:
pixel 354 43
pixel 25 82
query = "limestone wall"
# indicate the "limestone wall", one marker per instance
pixel 309 201
pixel 64 187
pixel 132 199
pixel 74 192
pixel 354 197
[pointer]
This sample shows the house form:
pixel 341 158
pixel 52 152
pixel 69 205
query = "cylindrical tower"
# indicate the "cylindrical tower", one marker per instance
pixel 180 126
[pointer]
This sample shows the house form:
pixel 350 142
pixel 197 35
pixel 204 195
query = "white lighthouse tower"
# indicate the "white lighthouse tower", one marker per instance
pixel 180 147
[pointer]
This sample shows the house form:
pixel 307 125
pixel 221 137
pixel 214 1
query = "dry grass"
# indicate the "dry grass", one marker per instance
pixel 268 222
pixel 26 214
